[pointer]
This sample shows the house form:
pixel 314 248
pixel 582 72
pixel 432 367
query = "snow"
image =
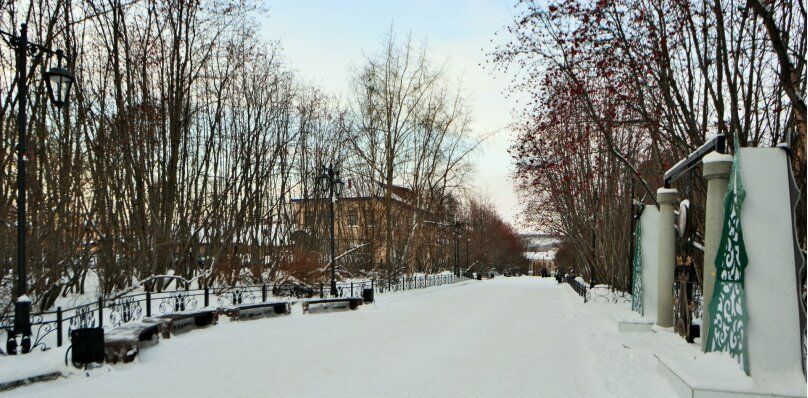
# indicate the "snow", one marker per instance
pixel 16 367
pixel 667 190
pixel 631 317
pixel 715 157
pixel 714 371
pixel 505 337
pixel 718 371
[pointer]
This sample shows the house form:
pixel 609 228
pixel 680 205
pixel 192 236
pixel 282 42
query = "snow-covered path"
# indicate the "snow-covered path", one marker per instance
pixel 508 337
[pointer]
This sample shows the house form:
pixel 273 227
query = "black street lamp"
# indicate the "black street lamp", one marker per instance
pixel 458 229
pixel 468 266
pixel 330 183
pixel 58 81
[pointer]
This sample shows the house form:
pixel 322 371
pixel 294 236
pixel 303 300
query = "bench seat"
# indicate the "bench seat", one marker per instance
pixel 320 305
pixel 256 310
pixel 187 320
pixel 124 342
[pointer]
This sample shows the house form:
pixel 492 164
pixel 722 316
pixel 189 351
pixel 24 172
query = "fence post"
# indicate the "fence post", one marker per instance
pixel 351 288
pixel 58 326
pixel 207 296
pixel 264 292
pixel 100 312
pixel 583 291
pixel 321 290
pixel 148 303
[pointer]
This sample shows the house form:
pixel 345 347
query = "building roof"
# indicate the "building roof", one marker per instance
pixel 541 255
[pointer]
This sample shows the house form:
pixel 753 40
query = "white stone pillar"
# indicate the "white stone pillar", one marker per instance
pixel 667 198
pixel 717 167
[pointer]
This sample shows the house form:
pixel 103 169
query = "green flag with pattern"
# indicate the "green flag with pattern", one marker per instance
pixel 729 317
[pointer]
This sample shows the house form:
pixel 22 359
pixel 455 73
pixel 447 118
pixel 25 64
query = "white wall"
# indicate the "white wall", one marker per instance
pixel 774 337
pixel 650 252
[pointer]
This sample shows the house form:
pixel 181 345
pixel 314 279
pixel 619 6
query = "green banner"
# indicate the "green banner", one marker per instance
pixel 636 290
pixel 728 313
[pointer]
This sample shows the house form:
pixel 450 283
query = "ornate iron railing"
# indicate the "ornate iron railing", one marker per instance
pixel 597 293
pixel 50 327
pixel 418 282
pixel 606 294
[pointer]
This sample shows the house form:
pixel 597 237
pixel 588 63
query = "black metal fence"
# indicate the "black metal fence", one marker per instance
pixel 418 282
pixel 606 294
pixel 49 328
pixel 597 293
pixel 577 286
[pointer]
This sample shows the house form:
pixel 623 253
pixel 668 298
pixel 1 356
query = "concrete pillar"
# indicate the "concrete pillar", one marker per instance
pixel 717 167
pixel 667 198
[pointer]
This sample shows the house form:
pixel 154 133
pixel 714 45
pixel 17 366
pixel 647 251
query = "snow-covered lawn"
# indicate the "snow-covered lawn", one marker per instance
pixel 508 337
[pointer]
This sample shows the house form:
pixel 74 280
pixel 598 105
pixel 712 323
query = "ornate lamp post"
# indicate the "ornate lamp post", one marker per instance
pixel 58 81
pixel 330 183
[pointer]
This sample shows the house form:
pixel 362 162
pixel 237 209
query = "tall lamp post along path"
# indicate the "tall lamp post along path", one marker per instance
pixel 330 183
pixel 58 81
pixel 458 229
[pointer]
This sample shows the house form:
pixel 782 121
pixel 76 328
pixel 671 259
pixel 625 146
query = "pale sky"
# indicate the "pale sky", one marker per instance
pixel 323 39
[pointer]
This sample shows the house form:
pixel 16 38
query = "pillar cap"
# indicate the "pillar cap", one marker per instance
pixel 717 165
pixel 667 196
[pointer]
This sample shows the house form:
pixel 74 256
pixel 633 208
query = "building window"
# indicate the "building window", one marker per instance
pixel 353 219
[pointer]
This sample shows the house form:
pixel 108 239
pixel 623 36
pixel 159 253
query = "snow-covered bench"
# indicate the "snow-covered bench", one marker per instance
pixel 124 342
pixel 178 321
pixel 256 310
pixel 319 305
